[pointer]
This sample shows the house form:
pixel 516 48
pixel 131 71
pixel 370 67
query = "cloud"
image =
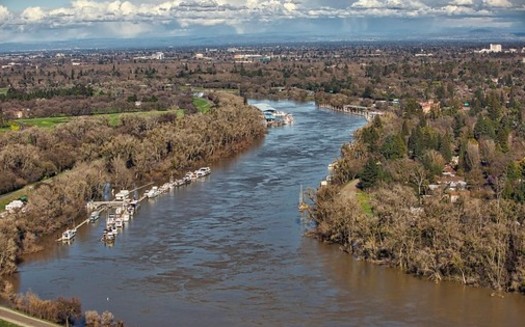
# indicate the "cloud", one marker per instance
pixel 498 3
pixel 465 3
pixel 133 17
pixel 367 4
pixel 33 14
pixel 4 14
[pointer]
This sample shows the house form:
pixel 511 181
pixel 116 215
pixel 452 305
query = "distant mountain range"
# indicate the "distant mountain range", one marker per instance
pixel 480 35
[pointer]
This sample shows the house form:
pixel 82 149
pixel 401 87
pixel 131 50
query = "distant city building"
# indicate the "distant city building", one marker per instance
pixel 156 56
pixel 160 55
pixel 493 48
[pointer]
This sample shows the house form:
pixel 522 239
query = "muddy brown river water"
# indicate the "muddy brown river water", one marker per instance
pixel 229 251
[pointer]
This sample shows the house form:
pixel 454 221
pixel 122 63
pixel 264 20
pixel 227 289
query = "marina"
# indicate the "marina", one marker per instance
pixel 274 117
pixel 122 209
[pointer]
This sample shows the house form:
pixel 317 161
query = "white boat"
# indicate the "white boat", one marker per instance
pixel 153 192
pixel 126 217
pixel 122 195
pixel 119 223
pixel 119 211
pixel 95 215
pixel 109 235
pixel 164 188
pixel 204 171
pixel 191 176
pixel 69 234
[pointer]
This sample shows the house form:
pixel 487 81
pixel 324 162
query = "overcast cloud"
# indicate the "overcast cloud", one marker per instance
pixel 128 19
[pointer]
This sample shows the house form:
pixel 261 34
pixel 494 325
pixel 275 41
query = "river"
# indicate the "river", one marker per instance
pixel 229 251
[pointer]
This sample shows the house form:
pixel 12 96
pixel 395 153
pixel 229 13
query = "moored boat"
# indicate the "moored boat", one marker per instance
pixel 94 216
pixel 153 192
pixel 204 171
pixel 69 234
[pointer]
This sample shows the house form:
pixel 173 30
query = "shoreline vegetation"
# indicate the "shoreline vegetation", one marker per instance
pixel 438 201
pixel 86 153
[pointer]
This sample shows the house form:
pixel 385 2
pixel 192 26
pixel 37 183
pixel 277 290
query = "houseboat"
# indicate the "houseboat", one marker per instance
pixel 95 215
pixel 69 234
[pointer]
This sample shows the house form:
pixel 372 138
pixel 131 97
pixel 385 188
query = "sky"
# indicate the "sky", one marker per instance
pixel 25 21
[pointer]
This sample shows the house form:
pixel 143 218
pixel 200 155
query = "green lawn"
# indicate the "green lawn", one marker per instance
pixel 3 90
pixel 7 324
pixel 46 122
pixel 49 122
pixel 203 105
pixel 364 201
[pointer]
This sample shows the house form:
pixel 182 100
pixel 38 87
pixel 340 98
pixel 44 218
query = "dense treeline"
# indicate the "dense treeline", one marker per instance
pixel 141 148
pixel 34 154
pixel 355 75
pixel 410 164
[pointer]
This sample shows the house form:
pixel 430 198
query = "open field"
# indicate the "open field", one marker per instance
pixel 7 324
pixel 203 105
pixel 50 122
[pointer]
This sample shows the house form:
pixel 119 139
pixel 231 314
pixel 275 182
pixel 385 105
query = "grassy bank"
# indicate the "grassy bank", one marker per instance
pixel 202 105
pixel 7 324
pixel 113 118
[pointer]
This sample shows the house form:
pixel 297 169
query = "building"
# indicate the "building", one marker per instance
pixel 427 106
pixel 158 56
pixel 495 47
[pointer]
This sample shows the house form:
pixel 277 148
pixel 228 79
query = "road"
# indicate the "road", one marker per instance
pixel 23 320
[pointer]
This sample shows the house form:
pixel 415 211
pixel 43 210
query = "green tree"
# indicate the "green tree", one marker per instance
pixel 370 174
pixel 370 136
pixel 394 147
pixel 484 127
pixel 444 147
pixel 411 107
pixel 494 106
pixel 415 143
pixel 502 139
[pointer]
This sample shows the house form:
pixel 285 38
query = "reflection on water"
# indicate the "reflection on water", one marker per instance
pixel 229 251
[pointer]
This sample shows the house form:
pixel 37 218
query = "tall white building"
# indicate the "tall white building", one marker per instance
pixel 495 47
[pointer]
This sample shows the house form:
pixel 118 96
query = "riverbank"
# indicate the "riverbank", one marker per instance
pixel 143 148
pixel 18 319
pixel 231 252
pixel 457 234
